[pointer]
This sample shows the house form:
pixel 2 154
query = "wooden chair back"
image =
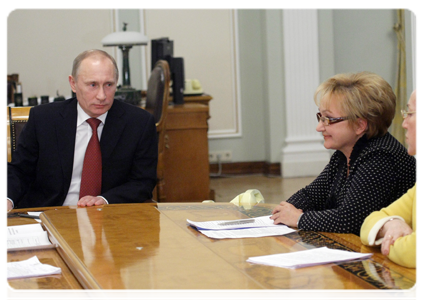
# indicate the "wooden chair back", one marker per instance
pixel 157 103
pixel 17 117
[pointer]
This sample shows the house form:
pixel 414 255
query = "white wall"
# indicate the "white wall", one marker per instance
pixel 41 45
pixel 206 39
pixel 365 41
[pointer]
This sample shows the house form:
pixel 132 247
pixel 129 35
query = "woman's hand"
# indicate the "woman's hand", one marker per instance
pixel 391 231
pixel 287 214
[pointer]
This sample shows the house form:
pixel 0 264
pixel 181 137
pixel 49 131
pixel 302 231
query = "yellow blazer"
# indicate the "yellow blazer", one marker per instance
pixel 403 251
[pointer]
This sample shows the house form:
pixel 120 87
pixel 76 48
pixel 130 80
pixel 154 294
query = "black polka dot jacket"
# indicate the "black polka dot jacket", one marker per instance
pixel 381 171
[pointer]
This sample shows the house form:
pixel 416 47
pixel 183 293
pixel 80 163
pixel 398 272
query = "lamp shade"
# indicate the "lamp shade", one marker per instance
pixel 122 38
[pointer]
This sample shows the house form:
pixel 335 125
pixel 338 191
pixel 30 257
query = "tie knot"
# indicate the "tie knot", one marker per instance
pixel 93 123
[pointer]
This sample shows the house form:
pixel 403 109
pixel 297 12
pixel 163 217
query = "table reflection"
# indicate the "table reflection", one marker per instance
pixel 106 248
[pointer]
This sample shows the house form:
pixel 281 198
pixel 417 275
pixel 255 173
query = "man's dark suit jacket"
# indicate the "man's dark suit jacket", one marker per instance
pixel 41 169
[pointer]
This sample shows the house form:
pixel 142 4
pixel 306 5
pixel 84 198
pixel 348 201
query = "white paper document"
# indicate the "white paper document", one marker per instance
pixel 307 258
pixel 248 233
pixel 30 268
pixel 234 224
pixel 23 229
pixel 24 236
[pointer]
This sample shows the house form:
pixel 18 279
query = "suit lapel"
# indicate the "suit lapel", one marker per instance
pixel 113 129
pixel 66 133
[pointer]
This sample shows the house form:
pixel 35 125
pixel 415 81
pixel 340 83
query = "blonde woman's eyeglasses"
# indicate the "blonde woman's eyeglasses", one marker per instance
pixel 327 121
pixel 405 113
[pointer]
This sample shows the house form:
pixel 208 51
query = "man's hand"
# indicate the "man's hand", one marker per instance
pixel 391 231
pixel 91 201
pixel 286 213
pixel 9 205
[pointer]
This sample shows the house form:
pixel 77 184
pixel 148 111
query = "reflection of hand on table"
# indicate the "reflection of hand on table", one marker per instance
pixel 379 273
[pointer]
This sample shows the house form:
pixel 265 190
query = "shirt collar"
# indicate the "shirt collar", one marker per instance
pixel 358 148
pixel 83 116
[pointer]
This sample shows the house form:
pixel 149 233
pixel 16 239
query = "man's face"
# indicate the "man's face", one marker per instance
pixel 94 85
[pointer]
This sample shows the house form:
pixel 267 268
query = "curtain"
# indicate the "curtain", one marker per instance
pixel 401 79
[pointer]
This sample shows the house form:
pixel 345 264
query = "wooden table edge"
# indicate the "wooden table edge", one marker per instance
pixel 77 267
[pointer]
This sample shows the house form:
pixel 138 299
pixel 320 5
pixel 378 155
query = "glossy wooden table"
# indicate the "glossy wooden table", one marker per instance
pixel 47 256
pixel 150 246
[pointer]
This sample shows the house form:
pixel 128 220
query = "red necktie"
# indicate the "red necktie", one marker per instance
pixel 91 169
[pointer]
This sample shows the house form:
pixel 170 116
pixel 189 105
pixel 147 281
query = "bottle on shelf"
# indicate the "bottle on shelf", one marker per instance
pixel 18 99
pixel 45 99
pixel 32 101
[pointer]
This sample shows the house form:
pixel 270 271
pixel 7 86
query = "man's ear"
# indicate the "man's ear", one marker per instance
pixel 361 126
pixel 72 83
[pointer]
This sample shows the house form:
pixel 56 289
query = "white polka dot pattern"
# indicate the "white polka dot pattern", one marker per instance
pixel 381 172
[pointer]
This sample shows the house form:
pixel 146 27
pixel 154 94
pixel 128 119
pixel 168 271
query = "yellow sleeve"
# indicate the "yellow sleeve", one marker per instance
pixel 369 225
pixel 403 251
pixel 402 208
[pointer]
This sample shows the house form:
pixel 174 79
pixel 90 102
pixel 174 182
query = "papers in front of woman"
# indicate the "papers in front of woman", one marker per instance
pixel 30 268
pixel 234 224
pixel 247 233
pixel 243 228
pixel 307 258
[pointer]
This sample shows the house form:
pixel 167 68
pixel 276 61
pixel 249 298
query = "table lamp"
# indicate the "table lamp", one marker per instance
pixel 125 40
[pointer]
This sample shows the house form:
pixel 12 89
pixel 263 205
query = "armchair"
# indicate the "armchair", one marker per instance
pixel 156 103
pixel 16 120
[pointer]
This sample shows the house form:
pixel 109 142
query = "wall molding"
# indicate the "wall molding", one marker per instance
pixel 236 130
pixel 415 46
pixel 143 57
pixel 118 53
pixel 247 168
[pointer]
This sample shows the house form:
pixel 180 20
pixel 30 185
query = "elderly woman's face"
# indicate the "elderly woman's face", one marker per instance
pixel 338 136
pixel 410 125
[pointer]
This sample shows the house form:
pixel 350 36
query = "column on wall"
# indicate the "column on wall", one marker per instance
pixel 415 46
pixel 273 90
pixel 303 153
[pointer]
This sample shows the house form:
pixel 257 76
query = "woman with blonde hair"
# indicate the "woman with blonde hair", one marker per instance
pixel 369 169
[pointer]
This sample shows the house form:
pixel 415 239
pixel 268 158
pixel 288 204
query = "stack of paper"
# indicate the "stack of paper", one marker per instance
pixel 244 228
pixel 30 268
pixel 26 236
pixel 307 258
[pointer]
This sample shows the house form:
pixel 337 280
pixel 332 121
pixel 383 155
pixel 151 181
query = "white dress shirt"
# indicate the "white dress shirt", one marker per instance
pixel 83 135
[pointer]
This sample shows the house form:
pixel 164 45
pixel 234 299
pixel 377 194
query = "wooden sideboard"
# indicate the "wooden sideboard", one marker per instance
pixel 202 99
pixel 186 154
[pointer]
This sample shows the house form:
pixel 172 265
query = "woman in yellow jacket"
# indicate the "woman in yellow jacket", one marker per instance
pixel 394 227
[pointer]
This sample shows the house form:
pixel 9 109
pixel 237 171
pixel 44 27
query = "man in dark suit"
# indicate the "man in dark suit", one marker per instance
pixel 46 167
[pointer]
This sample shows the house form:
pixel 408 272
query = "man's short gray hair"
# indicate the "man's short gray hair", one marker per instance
pixel 88 53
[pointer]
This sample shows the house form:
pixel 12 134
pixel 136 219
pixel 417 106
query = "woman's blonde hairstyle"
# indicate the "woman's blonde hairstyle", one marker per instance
pixel 362 95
